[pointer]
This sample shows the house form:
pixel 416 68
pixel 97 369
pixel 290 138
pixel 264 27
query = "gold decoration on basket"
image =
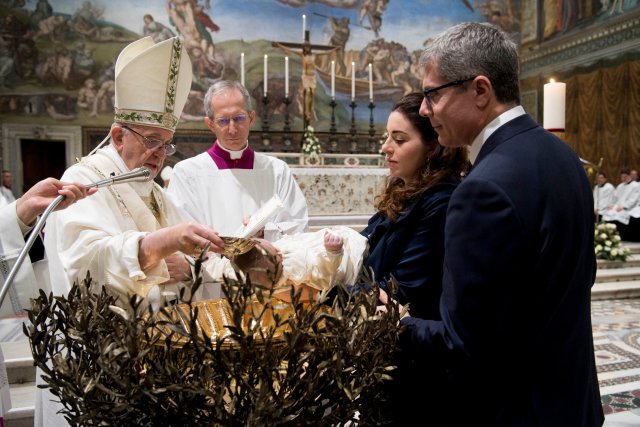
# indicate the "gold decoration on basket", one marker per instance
pixel 215 316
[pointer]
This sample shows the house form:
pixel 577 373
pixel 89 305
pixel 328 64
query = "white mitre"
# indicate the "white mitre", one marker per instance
pixel 152 83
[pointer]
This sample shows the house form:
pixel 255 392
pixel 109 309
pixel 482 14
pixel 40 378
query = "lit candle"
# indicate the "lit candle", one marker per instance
pixel 554 106
pixel 265 75
pixel 333 79
pixel 304 26
pixel 370 83
pixel 242 68
pixel 286 76
pixel 353 81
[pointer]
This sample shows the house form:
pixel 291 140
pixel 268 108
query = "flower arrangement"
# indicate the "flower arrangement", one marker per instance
pixel 607 243
pixel 310 143
pixel 383 139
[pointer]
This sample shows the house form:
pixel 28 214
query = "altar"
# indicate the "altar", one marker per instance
pixel 340 190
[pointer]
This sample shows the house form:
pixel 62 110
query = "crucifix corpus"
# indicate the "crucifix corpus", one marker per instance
pixel 308 57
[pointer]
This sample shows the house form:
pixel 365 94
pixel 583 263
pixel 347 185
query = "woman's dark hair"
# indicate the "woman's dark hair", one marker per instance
pixel 442 164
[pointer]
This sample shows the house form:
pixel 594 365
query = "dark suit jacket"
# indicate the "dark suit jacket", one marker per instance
pixel 519 266
pixel 411 249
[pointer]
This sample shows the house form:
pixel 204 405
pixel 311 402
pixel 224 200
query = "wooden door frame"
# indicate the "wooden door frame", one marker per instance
pixel 12 134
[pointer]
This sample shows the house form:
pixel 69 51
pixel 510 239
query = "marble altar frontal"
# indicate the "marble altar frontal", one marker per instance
pixel 340 191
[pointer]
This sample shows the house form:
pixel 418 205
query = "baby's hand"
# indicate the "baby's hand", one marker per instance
pixel 333 242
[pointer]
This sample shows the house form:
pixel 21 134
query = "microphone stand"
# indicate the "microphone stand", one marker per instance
pixel 140 174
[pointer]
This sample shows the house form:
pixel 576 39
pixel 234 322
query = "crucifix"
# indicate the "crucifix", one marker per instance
pixel 308 71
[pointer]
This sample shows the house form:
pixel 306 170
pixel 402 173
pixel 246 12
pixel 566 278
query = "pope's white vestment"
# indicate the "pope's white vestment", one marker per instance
pixel 220 198
pixel 101 234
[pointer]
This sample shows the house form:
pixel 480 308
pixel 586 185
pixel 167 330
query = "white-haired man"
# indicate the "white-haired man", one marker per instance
pixel 232 175
pixel 130 237
pixel 129 234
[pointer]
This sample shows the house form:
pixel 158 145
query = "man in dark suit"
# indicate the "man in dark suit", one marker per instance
pixel 515 336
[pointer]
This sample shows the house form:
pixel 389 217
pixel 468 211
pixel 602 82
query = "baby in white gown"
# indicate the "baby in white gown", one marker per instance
pixel 315 261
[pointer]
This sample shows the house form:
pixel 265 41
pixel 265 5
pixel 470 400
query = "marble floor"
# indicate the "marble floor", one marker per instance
pixel 616 333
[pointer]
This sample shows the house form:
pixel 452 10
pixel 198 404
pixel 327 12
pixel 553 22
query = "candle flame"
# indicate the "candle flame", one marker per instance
pixel 552 81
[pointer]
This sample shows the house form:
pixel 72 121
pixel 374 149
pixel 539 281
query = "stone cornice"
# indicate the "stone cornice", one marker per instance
pixel 586 47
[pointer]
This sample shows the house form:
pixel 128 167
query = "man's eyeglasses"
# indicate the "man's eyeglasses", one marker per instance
pixel 223 122
pixel 154 144
pixel 430 94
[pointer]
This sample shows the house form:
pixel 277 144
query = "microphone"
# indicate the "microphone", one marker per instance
pixel 142 174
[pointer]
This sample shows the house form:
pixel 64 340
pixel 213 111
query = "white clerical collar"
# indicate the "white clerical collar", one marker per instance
pixel 478 142
pixel 141 188
pixel 234 155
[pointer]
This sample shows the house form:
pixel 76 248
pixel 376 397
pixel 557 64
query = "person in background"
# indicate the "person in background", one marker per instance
pixel 406 236
pixel 5 189
pixel 232 175
pixel 625 211
pixel 17 219
pixel 519 261
pixel 604 195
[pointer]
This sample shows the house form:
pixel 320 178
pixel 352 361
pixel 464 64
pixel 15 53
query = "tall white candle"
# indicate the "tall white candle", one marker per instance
pixel 333 79
pixel 286 76
pixel 242 68
pixel 304 26
pixel 353 81
pixel 370 83
pixel 554 106
pixel 265 75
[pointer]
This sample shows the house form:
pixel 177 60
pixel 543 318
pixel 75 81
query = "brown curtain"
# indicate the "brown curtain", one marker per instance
pixel 603 117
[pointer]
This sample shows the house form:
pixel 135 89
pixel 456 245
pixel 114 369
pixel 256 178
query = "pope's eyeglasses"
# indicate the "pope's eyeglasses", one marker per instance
pixel 430 93
pixel 154 144
pixel 223 122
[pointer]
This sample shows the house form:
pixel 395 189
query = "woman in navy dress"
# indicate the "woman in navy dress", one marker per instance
pixel 406 235
pixel 406 243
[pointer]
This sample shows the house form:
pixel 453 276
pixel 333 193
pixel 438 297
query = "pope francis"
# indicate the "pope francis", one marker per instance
pixel 130 236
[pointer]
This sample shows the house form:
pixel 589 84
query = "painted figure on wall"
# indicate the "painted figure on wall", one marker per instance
pixel 63 46
pixel 156 30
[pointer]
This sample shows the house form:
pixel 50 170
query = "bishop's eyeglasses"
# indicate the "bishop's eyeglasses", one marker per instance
pixel 154 144
pixel 430 95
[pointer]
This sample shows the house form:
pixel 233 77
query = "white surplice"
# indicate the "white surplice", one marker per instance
pixel 604 196
pixel 626 205
pixel 7 194
pixel 29 278
pixel 220 198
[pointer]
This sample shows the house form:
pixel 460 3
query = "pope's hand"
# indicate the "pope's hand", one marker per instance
pixel 179 268
pixel 191 238
pixel 187 237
